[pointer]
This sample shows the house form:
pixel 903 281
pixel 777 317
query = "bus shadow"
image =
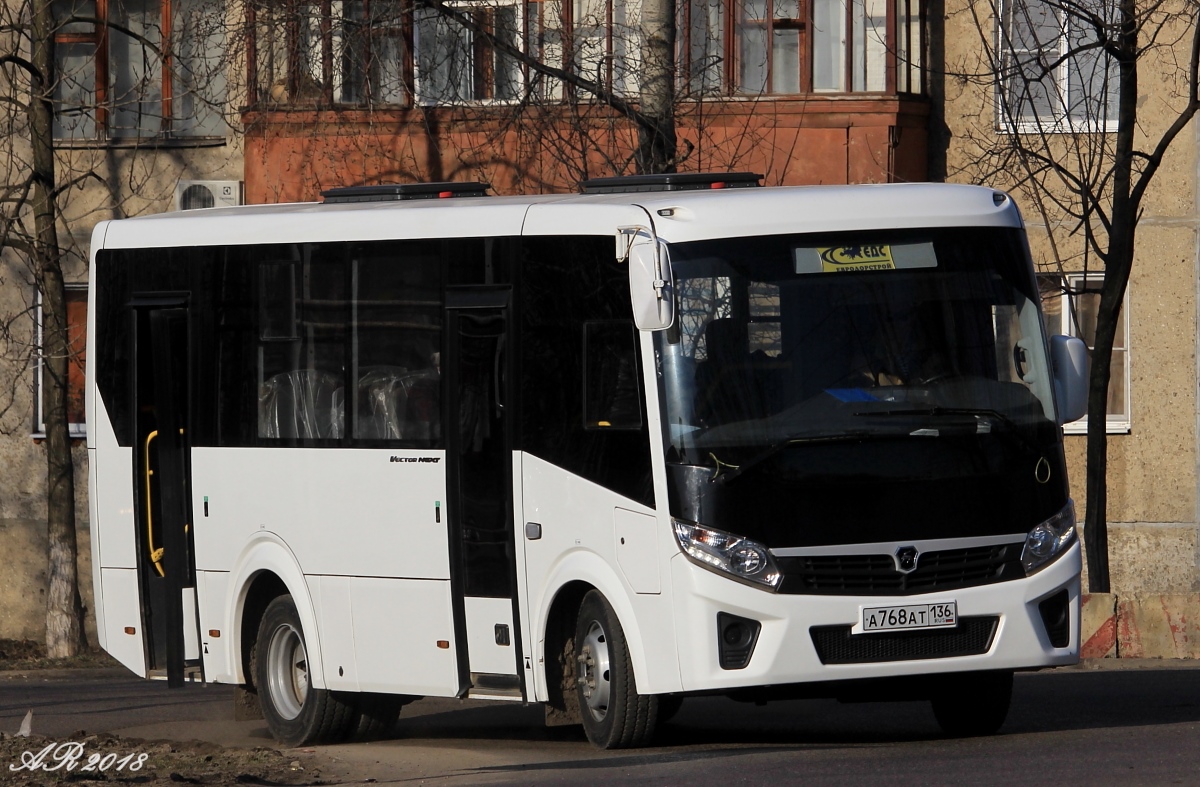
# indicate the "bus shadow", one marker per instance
pixel 1042 702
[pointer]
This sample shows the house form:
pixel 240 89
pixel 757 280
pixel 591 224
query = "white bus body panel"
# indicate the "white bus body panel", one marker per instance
pixel 123 614
pixel 785 654
pixel 310 222
pixel 485 654
pixel 114 555
pixel 335 616
pixel 637 550
pixel 112 500
pixel 397 626
pixel 578 543
pixel 351 512
pixel 191 625
pixel 676 216
pixel 588 218
pixel 211 589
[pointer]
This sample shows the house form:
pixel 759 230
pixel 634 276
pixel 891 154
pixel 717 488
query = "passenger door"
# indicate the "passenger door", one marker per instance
pixel 479 491
pixel 162 494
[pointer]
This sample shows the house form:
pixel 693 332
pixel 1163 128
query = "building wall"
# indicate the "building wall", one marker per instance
pixel 1152 470
pixel 125 182
pixel 293 155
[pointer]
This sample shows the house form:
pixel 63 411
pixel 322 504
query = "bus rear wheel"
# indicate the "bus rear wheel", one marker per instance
pixel 614 715
pixel 378 714
pixel 973 703
pixel 296 712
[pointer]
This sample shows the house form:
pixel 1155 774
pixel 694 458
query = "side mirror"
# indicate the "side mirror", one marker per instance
pixel 1069 357
pixel 651 285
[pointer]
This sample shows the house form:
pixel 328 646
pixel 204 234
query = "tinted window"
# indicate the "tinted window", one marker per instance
pixel 566 284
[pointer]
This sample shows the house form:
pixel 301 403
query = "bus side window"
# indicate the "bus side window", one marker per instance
pixel 612 398
pixel 301 347
pixel 396 338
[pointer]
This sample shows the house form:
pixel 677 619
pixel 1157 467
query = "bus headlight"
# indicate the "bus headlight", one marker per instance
pixel 727 553
pixel 1049 540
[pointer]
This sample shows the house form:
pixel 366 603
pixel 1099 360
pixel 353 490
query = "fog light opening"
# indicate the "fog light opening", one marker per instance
pixel 736 638
pixel 1056 617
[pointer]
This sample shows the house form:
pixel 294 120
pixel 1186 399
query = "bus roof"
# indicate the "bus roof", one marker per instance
pixel 678 216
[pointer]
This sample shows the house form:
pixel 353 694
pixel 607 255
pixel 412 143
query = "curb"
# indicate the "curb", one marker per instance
pixel 1165 627
pixel 1139 626
pixel 1098 626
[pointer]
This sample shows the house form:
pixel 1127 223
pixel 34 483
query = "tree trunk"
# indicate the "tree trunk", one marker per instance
pixel 1117 264
pixel 656 134
pixel 64 610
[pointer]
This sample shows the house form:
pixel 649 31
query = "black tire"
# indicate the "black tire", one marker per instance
pixel 973 703
pixel 296 713
pixel 614 715
pixel 377 715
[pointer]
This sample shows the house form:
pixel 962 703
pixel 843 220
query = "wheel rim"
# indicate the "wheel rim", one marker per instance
pixel 287 671
pixel 594 676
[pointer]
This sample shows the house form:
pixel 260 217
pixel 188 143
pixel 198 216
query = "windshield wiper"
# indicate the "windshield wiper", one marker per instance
pixel 796 439
pixel 1012 428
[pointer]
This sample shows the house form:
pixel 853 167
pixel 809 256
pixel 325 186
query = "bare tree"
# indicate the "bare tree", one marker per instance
pixel 61 171
pixel 1071 134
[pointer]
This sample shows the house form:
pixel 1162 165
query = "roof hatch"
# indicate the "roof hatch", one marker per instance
pixel 674 181
pixel 405 191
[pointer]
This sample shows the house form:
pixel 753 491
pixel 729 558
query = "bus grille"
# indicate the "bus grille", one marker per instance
pixel 836 645
pixel 876 574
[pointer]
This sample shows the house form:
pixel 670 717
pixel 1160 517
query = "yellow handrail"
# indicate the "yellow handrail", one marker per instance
pixel 155 554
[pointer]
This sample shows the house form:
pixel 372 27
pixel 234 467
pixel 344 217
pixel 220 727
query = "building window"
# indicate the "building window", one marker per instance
pixel 1053 74
pixel 358 57
pixel 1071 303
pixel 113 84
pixel 77 344
pixel 608 43
pixel 781 47
pixel 399 52
pixel 455 64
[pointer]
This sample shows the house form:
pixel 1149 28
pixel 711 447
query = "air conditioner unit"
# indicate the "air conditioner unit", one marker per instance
pixel 193 194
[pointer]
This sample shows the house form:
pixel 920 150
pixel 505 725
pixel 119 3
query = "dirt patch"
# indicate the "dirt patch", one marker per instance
pixel 192 762
pixel 19 654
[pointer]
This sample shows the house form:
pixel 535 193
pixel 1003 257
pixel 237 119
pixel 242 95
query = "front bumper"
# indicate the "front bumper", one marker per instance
pixel 784 652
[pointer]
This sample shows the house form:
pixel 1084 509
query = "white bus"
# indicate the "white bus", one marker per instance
pixel 673 435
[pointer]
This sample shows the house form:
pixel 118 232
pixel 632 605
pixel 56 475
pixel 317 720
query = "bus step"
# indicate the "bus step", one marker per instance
pixel 512 695
pixel 192 673
pixel 488 686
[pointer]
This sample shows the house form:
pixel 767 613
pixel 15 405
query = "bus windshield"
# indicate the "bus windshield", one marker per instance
pixel 850 336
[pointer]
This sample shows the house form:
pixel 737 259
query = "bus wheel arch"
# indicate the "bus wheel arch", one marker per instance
pixel 264 588
pixel 562 704
pixel 268 569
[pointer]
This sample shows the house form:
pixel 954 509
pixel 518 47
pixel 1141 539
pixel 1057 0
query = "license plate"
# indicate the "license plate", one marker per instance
pixel 909 616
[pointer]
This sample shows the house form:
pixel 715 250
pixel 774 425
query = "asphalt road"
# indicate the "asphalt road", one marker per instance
pixel 1124 723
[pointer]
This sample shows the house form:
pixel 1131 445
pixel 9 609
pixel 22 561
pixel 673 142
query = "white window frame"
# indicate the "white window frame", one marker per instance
pixel 419 99
pixel 1115 423
pixel 1063 121
pixel 77 431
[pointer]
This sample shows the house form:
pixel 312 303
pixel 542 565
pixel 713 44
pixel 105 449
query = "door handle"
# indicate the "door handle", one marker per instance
pixel 497 378
pixel 533 531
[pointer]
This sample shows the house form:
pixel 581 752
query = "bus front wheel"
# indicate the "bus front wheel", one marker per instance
pixel 615 716
pixel 296 712
pixel 972 703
